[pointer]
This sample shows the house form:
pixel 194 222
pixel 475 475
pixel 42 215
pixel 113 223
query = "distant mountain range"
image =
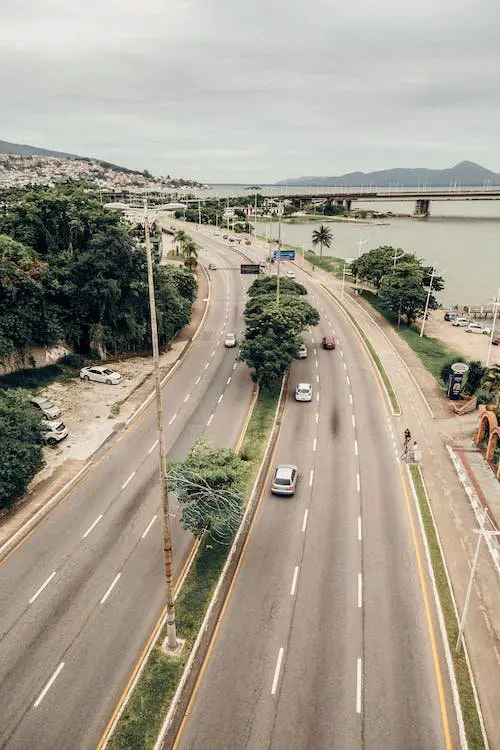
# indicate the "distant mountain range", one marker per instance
pixel 467 173
pixel 22 149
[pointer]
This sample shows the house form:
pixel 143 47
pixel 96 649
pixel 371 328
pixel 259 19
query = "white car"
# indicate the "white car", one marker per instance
pixel 303 392
pixel 53 432
pixel 302 351
pixel 230 340
pixel 273 272
pixel 477 328
pixel 290 274
pixel 462 322
pixel 46 406
pixel 100 374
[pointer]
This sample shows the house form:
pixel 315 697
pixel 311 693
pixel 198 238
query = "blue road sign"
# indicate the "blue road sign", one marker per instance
pixel 284 254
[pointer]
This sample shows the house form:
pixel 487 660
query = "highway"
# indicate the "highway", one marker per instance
pixel 329 637
pixel 81 595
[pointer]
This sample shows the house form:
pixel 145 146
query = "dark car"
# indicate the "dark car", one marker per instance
pixel 328 342
pixel 450 316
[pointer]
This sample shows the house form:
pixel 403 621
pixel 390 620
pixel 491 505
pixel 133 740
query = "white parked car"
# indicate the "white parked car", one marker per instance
pixel 478 328
pixel 100 374
pixel 230 340
pixel 302 351
pixel 53 432
pixel 290 274
pixel 46 407
pixel 462 322
pixel 273 272
pixel 303 392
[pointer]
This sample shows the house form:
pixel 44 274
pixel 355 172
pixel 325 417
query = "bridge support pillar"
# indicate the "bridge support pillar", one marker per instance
pixel 347 205
pixel 422 207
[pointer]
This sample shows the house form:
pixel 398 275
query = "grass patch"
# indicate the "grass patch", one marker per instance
pixel 333 265
pixel 465 690
pixel 141 721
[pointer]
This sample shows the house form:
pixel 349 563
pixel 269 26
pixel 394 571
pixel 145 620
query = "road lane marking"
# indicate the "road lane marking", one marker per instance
pixel 315 352
pixel 277 671
pixel 345 366
pixel 355 447
pixel 360 590
pixel 358 482
pixel 294 582
pixel 211 417
pixel 311 477
pixel 304 522
pixel 350 398
pixel 228 381
pixel 198 380
pixel 234 366
pixel 48 685
pixel 44 585
pixel 317 396
pixel 342 353
pixel 207 365
pixel 359 681
pixel 187 397
pixel 312 339
pixel 153 447
pixel 144 533
pixel 108 592
pixel 218 343
pixel 359 528
pixel 353 421
pixel 316 363
pixel 173 419
pixel 348 381
pixel 315 442
pixel 220 398
pixel 90 528
pixel 128 480
pixel 213 353
pixel 317 378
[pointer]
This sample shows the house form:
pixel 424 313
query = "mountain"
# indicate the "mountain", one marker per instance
pixel 467 173
pixel 22 149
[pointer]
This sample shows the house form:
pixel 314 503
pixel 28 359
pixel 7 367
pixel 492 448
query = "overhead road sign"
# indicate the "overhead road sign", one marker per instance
pixel 250 268
pixel 284 254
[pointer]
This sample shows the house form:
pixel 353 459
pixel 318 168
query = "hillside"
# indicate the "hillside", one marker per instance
pixel 21 149
pixel 466 173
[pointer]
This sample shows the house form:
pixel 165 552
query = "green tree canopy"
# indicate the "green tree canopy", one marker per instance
pixel 322 237
pixel 403 292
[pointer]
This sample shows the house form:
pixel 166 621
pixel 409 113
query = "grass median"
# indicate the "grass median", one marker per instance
pixel 144 714
pixel 465 689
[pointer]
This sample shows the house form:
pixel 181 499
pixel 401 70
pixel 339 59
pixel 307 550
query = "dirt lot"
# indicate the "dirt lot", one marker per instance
pixel 471 345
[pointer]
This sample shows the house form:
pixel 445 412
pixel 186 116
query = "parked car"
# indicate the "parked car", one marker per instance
pixel 46 407
pixel 478 328
pixel 248 242
pixel 328 342
pixel 303 392
pixel 285 480
pixel 53 432
pixel 212 267
pixel 451 316
pixel 230 340
pixel 290 274
pixel 100 374
pixel 496 341
pixel 231 239
pixel 302 351
pixel 462 322
pixel 273 272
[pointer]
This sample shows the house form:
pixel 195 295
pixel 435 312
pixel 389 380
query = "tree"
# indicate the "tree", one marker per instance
pixel 267 285
pixel 209 486
pixel 403 292
pixel 322 237
pixel 474 376
pixel 190 253
pixel 180 237
pixel 20 445
pixel 491 381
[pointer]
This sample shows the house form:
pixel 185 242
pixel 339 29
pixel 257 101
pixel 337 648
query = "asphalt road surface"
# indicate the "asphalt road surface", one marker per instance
pixel 80 597
pixel 329 637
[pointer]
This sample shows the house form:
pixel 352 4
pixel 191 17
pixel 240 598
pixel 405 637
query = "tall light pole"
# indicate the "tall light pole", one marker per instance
pixel 280 211
pixel 255 216
pixel 433 273
pixel 347 261
pixel 167 539
pixel 360 244
pixel 496 303
pixel 199 212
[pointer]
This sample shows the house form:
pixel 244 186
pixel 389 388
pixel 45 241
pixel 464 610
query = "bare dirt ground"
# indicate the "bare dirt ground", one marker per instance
pixel 471 345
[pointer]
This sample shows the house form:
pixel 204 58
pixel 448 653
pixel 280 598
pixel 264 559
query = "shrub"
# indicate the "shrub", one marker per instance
pixel 30 378
pixel 74 360
pixel 483 396
pixel 474 376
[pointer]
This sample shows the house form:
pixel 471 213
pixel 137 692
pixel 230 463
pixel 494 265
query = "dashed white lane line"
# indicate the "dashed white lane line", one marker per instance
pixel 316 363
pixel 187 397
pixel 153 447
pixel 317 417
pixel 311 477
pixel 48 685
pixel 304 522
pixel 172 419
pixel 220 398
pixel 345 366
pixel 359 529
pixel 348 381
pixel 358 482
pixel 315 443
pixel 218 343
pixel 128 480
pixel 359 681
pixel 207 365
pixel 350 398
pixel 213 353
pixel 228 381
pixel 211 417
pixel 312 339
pixel 277 671
pixel 197 380
pixel 360 590
pixel 353 421
pixel 317 396
pixel 342 354
pixel 92 527
pixel 108 592
pixel 42 587
pixel 294 581
pixel 144 533
pixel 355 447
pixel 315 352
pixel 317 378
pixel 234 366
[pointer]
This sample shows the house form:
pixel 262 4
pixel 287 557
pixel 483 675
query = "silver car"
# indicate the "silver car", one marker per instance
pixel 46 407
pixel 230 340
pixel 285 480
pixel 53 432
pixel 100 374
pixel 303 392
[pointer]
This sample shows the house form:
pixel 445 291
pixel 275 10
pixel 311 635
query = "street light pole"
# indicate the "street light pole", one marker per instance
pixel 280 211
pixel 495 313
pixel 167 540
pixel 427 301
pixel 199 212
pixel 347 261
pixel 255 216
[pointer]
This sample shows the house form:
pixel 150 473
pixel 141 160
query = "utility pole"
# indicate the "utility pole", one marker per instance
pixel 172 643
pixel 199 212
pixel 495 313
pixel 280 211
pixel 255 215
pixel 427 301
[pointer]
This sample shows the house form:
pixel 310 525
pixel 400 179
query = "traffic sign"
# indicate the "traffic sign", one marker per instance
pixel 250 268
pixel 284 254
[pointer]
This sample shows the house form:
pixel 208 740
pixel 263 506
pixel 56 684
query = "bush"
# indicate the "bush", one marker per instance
pixel 474 376
pixel 30 378
pixel 483 396
pixel 74 360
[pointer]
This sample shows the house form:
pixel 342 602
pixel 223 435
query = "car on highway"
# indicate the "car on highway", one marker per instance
pixel 328 342
pixel 302 351
pixel 478 328
pixel 496 341
pixel 273 272
pixel 44 405
pixel 303 392
pixel 290 274
pixel 100 374
pixel 230 340
pixel 212 267
pixel 285 480
pixel 53 431
pixel 461 322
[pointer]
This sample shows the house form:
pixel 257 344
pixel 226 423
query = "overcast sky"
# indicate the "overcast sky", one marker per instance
pixel 239 91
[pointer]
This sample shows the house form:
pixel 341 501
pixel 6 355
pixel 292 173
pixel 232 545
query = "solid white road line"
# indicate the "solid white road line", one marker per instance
pixel 153 447
pixel 359 680
pixel 128 480
pixel 277 671
pixel 48 685
pixel 207 365
pixel 353 421
pixel 108 592
pixel 144 533
pixel 311 477
pixel 211 417
pixel 355 447
pixel 92 527
pixel 360 590
pixel 359 528
pixel 228 381
pixel 37 594
pixel 358 482
pixel 315 442
pixel 220 398
pixel 197 380
pixel 304 522
pixel 173 419
pixel 317 417
pixel 294 581
pixel 187 397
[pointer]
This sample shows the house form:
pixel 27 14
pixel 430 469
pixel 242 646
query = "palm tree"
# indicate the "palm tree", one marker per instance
pixel 322 237
pixel 491 381
pixel 180 237
pixel 190 253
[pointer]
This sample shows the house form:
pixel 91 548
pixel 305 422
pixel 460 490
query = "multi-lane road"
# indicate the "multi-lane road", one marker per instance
pixel 80 596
